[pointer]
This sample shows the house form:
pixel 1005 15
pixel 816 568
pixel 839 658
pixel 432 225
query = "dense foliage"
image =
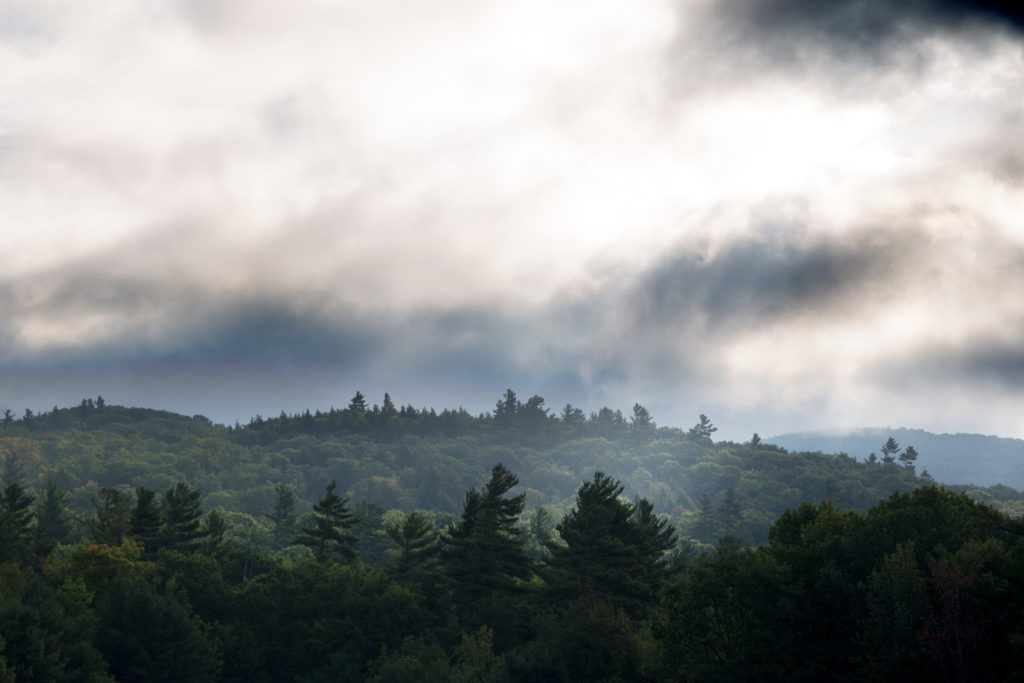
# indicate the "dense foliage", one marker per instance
pixel 139 546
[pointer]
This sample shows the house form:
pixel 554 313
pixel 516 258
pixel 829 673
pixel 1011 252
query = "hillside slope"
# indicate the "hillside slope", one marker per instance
pixel 950 458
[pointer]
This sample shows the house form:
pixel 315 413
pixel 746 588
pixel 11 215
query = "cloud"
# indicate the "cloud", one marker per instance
pixel 868 27
pixel 756 204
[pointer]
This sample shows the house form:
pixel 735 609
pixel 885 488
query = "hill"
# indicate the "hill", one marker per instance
pixel 389 458
pixel 950 458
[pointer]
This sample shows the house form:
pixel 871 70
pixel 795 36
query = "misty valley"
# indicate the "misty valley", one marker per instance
pixel 393 543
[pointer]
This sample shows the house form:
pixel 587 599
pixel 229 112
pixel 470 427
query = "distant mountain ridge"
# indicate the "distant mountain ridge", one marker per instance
pixel 950 458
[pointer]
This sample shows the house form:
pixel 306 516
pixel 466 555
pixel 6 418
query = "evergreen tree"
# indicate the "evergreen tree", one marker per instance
pixel 416 542
pixel 641 420
pixel 506 409
pixel 610 549
pixel 15 524
pixel 889 449
pixel 540 526
pixel 706 528
pixel 573 418
pixel 14 469
pixel 182 517
pixel 110 523
pixel 283 514
pixel 214 530
pixel 53 519
pixel 327 538
pixel 483 553
pixel 389 407
pixel 145 522
pixel 908 457
pixel 730 515
pixel 358 403
pixel 703 430
pixel 656 538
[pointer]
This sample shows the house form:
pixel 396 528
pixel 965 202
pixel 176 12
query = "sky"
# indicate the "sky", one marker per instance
pixel 785 214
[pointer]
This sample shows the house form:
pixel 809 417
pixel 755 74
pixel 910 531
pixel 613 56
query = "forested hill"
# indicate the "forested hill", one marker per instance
pixel 386 544
pixel 950 458
pixel 389 457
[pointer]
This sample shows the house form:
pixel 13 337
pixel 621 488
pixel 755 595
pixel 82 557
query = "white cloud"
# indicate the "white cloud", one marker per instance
pixel 396 157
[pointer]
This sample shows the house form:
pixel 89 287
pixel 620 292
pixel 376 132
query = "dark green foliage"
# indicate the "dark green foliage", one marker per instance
pixel 283 514
pixel 483 552
pixel 54 522
pixel 47 630
pixel 327 539
pixel 896 601
pixel 727 619
pixel 182 517
pixel 416 542
pixel 730 515
pixel 111 521
pixel 147 635
pixel 321 620
pixel 214 528
pixel 540 526
pixel 706 529
pixel 15 524
pixel 145 523
pixel 13 470
pixel 610 549
pixel 418 659
pixel 590 641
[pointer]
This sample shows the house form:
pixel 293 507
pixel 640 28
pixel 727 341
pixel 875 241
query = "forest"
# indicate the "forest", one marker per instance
pixel 389 543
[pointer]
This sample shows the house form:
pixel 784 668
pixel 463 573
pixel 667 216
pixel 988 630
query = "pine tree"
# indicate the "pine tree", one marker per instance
pixel 706 528
pixel 182 517
pixel 327 538
pixel 703 430
pixel 14 470
pixel 53 519
pixel 214 530
pixel 641 420
pixel 283 514
pixel 656 538
pixel 110 523
pixel 145 522
pixel 358 403
pixel 506 409
pixel 15 524
pixel 611 549
pixel 416 542
pixel 890 448
pixel 908 457
pixel 730 515
pixel 484 553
